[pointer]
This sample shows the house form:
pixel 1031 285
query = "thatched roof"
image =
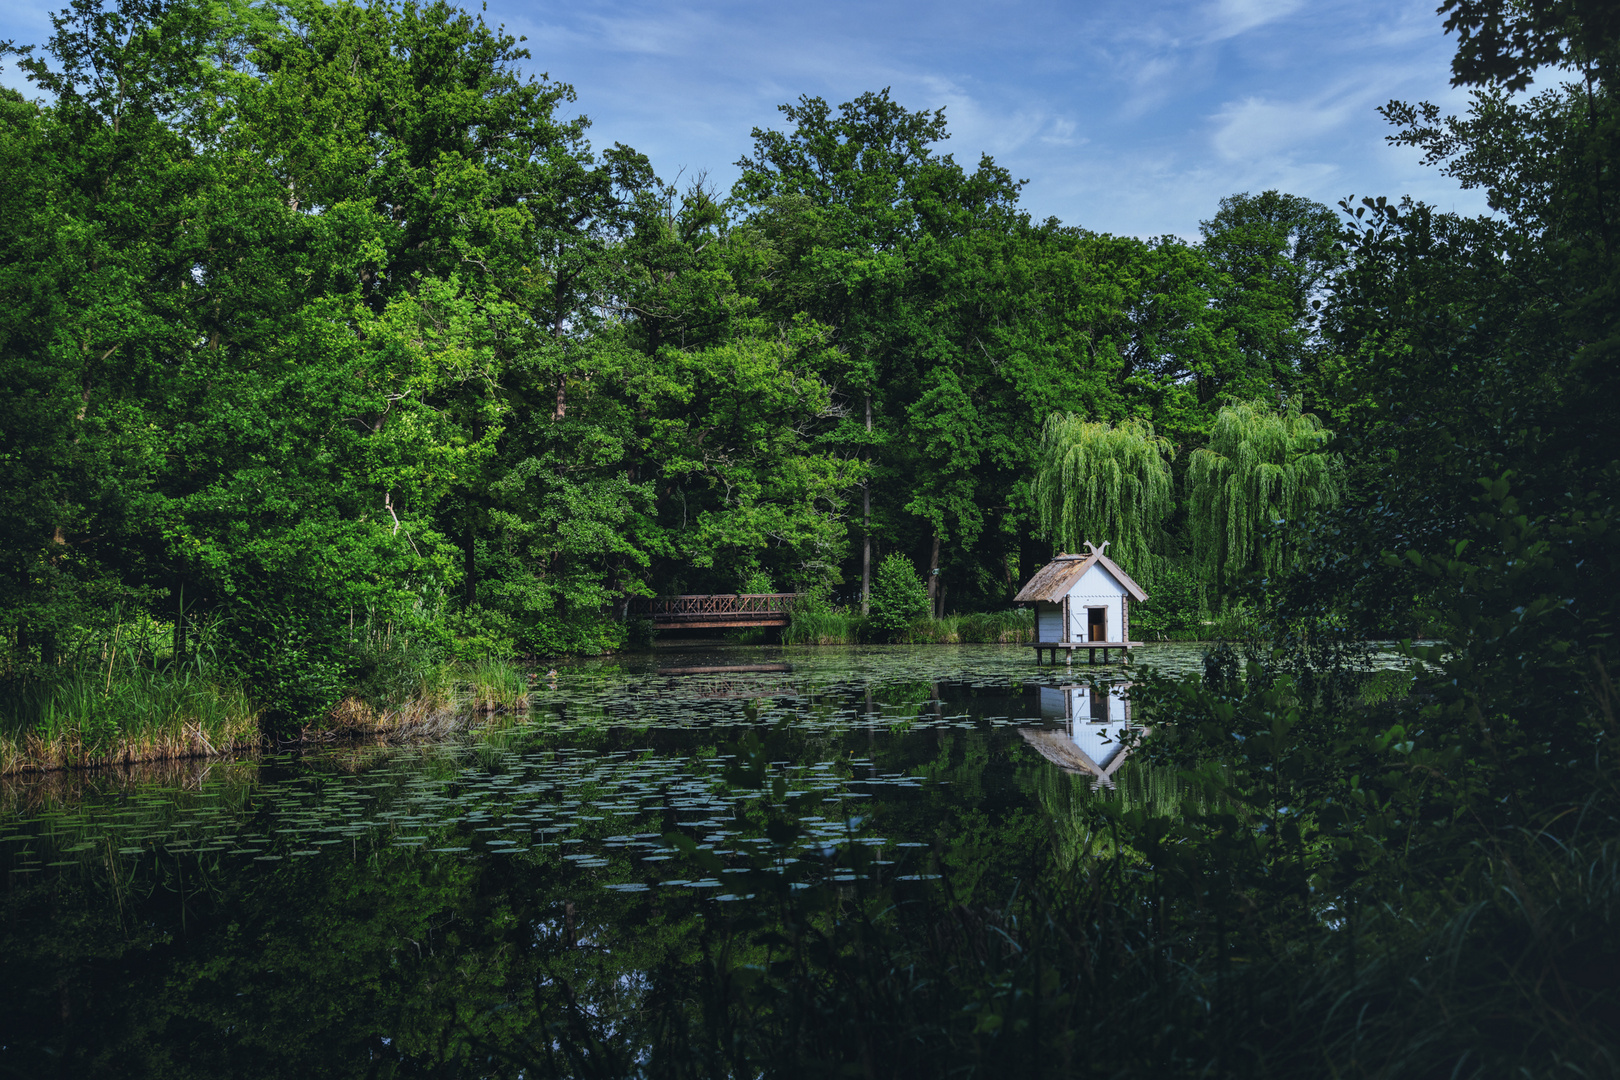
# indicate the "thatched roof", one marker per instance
pixel 1054 580
pixel 1056 746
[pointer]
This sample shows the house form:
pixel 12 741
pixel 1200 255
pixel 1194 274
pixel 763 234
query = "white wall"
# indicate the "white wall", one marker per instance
pixel 1093 719
pixel 1048 621
pixel 1096 588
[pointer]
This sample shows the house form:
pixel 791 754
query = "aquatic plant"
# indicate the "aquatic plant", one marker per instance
pixel 122 714
pixel 823 628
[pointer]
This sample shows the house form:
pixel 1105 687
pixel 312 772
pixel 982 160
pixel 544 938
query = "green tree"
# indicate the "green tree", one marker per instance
pixel 899 597
pixel 865 221
pixel 1271 257
pixel 1100 482
pixel 1262 469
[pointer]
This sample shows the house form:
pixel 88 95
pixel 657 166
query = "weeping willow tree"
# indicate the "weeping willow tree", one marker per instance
pixel 1261 467
pixel 1105 483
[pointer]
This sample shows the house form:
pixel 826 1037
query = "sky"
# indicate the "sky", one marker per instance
pixel 1132 117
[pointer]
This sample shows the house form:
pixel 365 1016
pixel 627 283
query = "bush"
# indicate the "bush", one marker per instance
pixel 479 633
pixel 757 581
pixel 899 598
pixel 816 600
pixel 1174 609
pixel 640 633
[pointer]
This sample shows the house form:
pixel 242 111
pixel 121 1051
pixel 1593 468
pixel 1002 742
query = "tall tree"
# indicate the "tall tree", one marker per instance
pixel 866 216
pixel 1271 257
pixel 1105 483
pixel 1261 470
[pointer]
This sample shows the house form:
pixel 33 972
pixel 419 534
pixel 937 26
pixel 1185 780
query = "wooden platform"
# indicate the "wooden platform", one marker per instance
pixel 1091 648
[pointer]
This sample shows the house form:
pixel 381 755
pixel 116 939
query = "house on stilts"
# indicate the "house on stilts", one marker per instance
pixel 1082 602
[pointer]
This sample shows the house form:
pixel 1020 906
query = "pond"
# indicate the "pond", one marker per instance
pixel 398 910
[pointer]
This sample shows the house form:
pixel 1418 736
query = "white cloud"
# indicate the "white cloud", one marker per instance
pixel 1255 129
pixel 1061 132
pixel 1229 18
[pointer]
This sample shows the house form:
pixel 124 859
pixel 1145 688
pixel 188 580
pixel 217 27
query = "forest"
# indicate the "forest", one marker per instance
pixel 332 352
pixel 323 316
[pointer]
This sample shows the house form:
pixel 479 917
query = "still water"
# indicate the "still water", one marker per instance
pixel 384 910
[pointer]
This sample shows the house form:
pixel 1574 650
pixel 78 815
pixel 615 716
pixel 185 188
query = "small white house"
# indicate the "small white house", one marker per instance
pixel 1082 601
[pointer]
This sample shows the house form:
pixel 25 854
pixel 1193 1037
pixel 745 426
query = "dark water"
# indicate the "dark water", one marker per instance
pixel 395 911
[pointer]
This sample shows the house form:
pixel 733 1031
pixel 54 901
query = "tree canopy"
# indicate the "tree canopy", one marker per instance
pixel 1100 482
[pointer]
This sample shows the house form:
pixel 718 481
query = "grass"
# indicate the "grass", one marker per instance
pixel 83 717
pixel 983 628
pixel 823 628
pixel 118 700
pixel 1014 627
pixel 442 699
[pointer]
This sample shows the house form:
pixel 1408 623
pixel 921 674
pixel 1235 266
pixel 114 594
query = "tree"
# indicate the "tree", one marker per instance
pixel 898 597
pixel 1271 256
pixel 869 224
pixel 1261 469
pixel 1100 482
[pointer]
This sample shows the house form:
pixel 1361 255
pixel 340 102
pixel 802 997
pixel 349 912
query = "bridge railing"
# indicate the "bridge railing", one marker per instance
pixel 713 605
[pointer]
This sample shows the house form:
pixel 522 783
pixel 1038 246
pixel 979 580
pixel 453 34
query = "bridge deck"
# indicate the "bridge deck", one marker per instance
pixel 700 611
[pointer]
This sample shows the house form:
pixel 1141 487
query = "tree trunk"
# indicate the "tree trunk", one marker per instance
pixel 933 578
pixel 469 566
pixel 866 551
pixel 180 623
pixel 866 529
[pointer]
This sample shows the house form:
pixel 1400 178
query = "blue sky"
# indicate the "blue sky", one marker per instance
pixel 1126 116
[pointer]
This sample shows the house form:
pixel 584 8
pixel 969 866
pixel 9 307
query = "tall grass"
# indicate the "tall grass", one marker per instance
pixel 1014 627
pixel 823 628
pixel 81 717
pixel 845 628
pixel 402 687
pixel 117 699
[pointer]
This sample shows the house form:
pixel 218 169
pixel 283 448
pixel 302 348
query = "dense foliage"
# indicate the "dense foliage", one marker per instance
pixel 324 318
pixel 320 316
pixel 1260 470
pixel 1104 480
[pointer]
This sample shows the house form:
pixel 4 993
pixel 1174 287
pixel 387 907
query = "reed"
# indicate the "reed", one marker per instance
pixel 118 700
pixel 76 717
pixel 444 699
pixel 1013 627
pixel 823 628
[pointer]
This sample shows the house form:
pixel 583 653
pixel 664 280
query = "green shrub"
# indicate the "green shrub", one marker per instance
pixel 899 598
pixel 816 600
pixel 640 633
pixel 479 633
pixel 1174 609
pixel 823 628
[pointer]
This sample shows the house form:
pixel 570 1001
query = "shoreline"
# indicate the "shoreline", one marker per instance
pixel 393 727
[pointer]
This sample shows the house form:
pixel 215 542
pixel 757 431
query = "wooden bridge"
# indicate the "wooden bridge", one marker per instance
pixel 716 610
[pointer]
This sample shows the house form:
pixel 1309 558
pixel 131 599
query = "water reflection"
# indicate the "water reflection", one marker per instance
pixel 1086 726
pixel 374 887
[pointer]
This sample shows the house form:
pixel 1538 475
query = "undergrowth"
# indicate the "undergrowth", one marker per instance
pixel 121 697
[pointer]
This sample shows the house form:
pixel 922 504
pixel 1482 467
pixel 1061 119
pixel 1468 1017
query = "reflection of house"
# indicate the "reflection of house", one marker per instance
pixel 1082 602
pixel 1088 724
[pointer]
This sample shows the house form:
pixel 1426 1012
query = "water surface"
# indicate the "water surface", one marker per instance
pixel 405 908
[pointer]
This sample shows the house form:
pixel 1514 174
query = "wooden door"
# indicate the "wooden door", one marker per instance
pixel 1097 624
